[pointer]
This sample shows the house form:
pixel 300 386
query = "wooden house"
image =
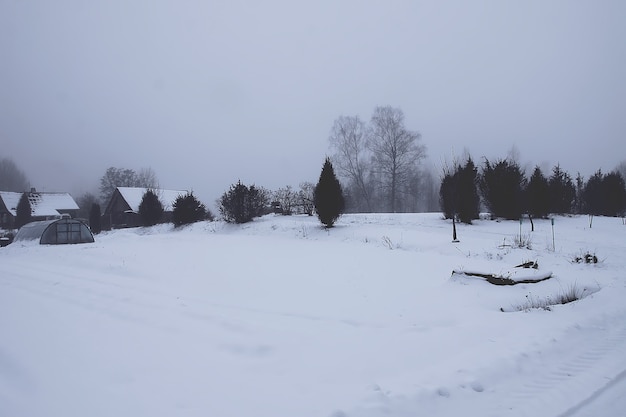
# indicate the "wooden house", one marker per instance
pixel 43 205
pixel 122 209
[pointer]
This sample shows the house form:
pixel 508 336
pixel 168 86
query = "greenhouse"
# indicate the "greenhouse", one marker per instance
pixel 56 232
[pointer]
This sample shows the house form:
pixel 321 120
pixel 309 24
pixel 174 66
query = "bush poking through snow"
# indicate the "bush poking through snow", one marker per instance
pixel 587 258
pixel 519 242
pixel 523 241
pixel 571 294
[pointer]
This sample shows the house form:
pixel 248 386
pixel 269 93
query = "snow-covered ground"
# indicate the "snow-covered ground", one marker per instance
pixel 280 317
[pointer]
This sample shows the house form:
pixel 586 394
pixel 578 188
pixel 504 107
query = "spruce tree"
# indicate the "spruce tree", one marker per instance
pixel 23 211
pixel 502 184
pixel 232 204
pixel 447 195
pixel 241 203
pixel 537 195
pixel 188 209
pixel 614 189
pixel 150 209
pixel 562 191
pixel 458 193
pixel 468 200
pixel 592 195
pixel 328 196
pixel 95 220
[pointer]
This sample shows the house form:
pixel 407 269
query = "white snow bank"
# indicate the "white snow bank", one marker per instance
pixel 281 317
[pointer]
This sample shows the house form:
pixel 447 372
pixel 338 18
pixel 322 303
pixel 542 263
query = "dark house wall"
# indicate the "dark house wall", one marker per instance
pixel 6 218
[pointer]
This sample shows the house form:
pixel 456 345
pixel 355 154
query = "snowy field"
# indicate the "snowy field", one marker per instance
pixel 282 318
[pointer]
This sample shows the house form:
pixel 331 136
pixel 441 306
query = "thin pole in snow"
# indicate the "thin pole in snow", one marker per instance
pixel 454 239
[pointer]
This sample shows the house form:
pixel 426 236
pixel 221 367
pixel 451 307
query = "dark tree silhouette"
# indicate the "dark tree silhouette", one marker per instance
pixel 241 203
pixel 459 193
pixel 328 196
pixel 23 211
pixel 447 195
pixel 614 194
pixel 502 184
pixel 605 194
pixel 468 205
pixel 95 219
pixel 150 209
pixel 593 200
pixel 537 195
pixel 562 191
pixel 188 209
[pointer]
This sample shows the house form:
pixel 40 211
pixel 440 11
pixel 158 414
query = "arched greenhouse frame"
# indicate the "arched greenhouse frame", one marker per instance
pixel 56 232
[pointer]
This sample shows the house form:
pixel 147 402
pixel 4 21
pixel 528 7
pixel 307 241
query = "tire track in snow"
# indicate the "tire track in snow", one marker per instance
pixel 556 381
pixel 573 412
pixel 567 377
pixel 58 290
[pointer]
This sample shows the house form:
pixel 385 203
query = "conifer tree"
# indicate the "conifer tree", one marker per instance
pixel 23 211
pixel 188 209
pixel 328 196
pixel 614 189
pixel 447 195
pixel 562 191
pixel 502 184
pixel 468 201
pixel 605 194
pixel 459 193
pixel 241 203
pixel 150 209
pixel 537 195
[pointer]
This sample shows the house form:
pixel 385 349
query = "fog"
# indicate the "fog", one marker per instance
pixel 206 93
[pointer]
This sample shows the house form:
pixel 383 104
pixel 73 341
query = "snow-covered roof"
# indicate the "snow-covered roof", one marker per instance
pixel 134 195
pixel 42 204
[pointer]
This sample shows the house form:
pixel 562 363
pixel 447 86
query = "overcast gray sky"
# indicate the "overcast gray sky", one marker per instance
pixel 207 92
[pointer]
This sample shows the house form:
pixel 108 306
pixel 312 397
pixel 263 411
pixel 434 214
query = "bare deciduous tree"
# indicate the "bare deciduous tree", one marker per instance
pixel 287 198
pixel 621 168
pixel 306 197
pixel 120 177
pixel 348 139
pixel 396 151
pixel 85 203
pixel 146 177
pixel 11 177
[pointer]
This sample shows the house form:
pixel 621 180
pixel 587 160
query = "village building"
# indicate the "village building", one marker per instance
pixel 122 209
pixel 43 205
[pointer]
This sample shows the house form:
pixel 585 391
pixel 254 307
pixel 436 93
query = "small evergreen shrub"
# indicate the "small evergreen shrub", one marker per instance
pixel 23 211
pixel 458 193
pixel 188 209
pixel 328 196
pixel 150 209
pixel 241 203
